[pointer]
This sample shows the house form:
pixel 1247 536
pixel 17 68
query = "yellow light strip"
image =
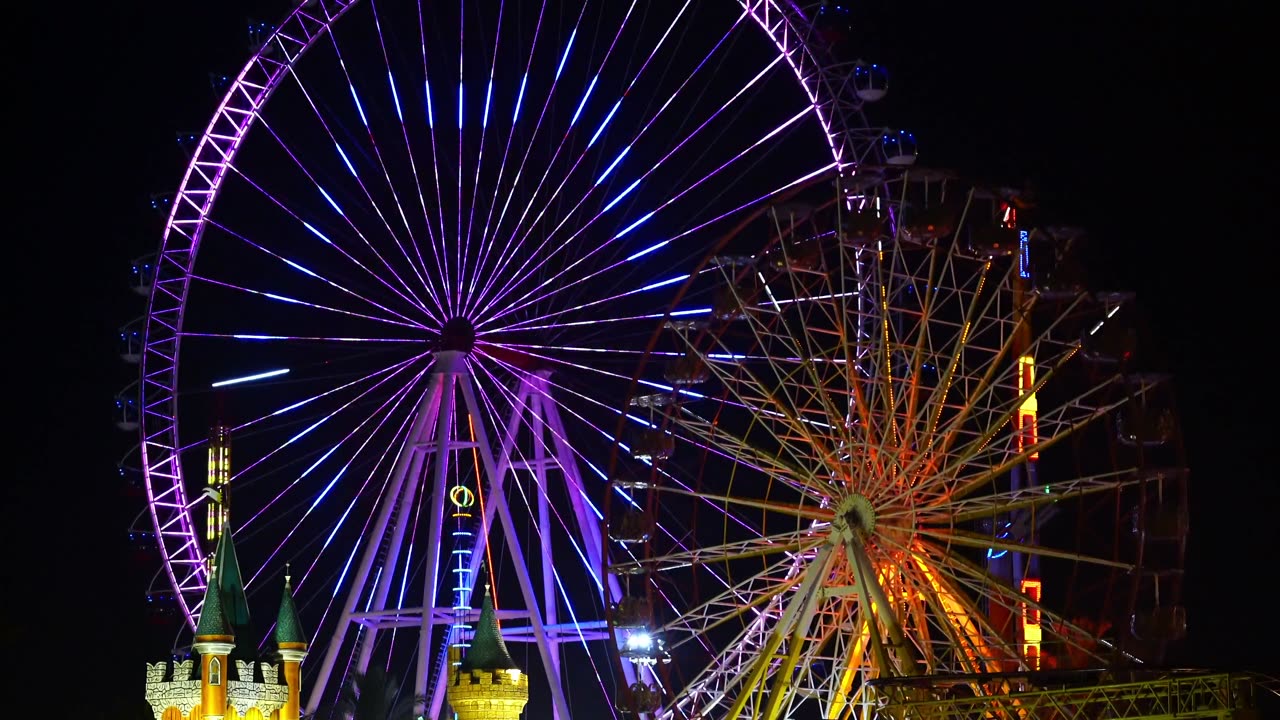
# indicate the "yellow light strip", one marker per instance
pixel 1029 617
pixel 1028 432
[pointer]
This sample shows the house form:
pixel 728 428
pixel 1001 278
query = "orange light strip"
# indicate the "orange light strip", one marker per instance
pixel 1027 432
pixel 1029 617
pixel 959 617
pixel 488 556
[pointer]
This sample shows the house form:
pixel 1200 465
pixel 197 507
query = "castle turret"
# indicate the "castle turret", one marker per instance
pixel 214 641
pixel 230 681
pixel 487 684
pixel 291 646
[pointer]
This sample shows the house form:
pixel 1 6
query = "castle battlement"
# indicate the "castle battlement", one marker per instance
pixel 250 684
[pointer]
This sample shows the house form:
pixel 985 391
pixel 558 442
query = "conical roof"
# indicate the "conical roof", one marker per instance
pixel 288 627
pixel 487 651
pixel 230 581
pixel 213 621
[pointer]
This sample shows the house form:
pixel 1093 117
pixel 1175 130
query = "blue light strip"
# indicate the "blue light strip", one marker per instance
pixel 395 97
pixel 1024 253
pixel 565 56
pixel 431 120
pixel 359 107
pixel 583 103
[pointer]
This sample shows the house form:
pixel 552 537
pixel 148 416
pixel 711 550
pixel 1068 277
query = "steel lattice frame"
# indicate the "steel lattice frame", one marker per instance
pixel 786 23
pixel 864 413
pixel 827 102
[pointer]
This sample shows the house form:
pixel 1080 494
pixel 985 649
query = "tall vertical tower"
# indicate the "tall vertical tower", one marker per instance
pixel 218 488
pixel 291 647
pixel 487 684
pixel 214 641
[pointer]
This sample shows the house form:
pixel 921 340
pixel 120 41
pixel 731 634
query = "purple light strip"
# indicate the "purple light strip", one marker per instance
pixel 292 338
pixel 305 271
pixel 497 184
pixel 595 321
pixel 475 192
pixel 420 269
pixel 435 164
pixel 462 14
pixel 547 542
pixel 560 146
pixel 413 166
pixel 243 471
pixel 364 531
pixel 293 301
pixel 573 211
pixel 682 234
pixel 411 298
pixel 496 421
pixel 675 538
pixel 488 240
pixel 394 401
pixel 296 405
pixel 541 250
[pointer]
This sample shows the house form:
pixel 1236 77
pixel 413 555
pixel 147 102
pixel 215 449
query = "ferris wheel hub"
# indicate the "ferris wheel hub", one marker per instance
pixel 457 335
pixel 854 516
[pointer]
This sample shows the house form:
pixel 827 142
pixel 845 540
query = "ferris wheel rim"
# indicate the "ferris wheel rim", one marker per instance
pixel 167 498
pixel 1122 478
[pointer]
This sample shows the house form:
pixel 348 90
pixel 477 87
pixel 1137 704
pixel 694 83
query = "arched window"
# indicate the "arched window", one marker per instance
pixel 215 671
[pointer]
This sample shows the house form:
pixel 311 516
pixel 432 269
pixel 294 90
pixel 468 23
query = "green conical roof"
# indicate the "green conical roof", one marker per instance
pixel 213 621
pixel 487 651
pixel 230 582
pixel 288 627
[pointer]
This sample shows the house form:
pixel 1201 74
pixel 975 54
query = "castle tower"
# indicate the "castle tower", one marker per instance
pixel 291 647
pixel 230 681
pixel 214 641
pixel 487 684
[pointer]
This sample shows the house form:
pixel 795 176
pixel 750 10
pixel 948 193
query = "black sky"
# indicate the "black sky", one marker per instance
pixel 1141 121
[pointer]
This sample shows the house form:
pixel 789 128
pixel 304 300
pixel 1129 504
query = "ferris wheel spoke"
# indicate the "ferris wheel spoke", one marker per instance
pixel 963 510
pixel 763 546
pixel 487 242
pixel 517 239
pixel 310 273
pixel 688 231
pixel 798 427
pixel 413 167
pixel 313 230
pixel 382 414
pixel 733 601
pixel 483 307
pixel 980 581
pixel 536 294
pixel 790 629
pixel 705 433
pixel 274 297
pixel 970 631
pixel 794 437
pixel 382 411
pixel 419 269
pixel 389 373
pixel 965 538
pixel 530 144
pixel 617 159
pixel 442 258
pixel 1059 424
pixel 464 294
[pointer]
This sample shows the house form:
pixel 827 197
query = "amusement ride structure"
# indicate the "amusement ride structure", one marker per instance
pixel 882 430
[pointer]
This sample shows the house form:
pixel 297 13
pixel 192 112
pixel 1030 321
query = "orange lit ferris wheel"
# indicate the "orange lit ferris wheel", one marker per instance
pixel 905 439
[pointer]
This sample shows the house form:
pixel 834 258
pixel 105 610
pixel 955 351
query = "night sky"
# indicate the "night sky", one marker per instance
pixel 1145 125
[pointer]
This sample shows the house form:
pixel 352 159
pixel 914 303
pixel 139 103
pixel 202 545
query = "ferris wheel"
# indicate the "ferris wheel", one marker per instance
pixel 412 262
pixel 908 442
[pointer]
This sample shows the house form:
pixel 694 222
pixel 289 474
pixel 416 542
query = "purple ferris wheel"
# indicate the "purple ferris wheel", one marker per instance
pixel 409 270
